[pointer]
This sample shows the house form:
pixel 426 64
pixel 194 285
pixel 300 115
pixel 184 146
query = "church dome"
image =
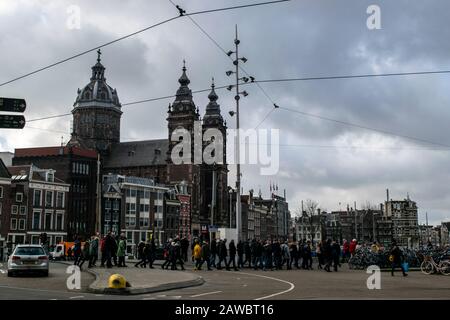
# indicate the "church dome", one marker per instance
pixel 97 93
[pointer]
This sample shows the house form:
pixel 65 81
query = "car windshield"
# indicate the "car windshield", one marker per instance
pixel 29 251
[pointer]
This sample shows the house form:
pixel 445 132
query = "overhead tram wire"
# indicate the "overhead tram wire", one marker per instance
pixel 240 66
pixel 135 33
pixel 364 127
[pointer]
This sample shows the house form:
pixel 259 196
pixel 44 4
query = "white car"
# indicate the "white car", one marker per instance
pixel 28 258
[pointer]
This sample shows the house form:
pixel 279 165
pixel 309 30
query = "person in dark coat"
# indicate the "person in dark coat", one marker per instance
pixel 240 252
pixel 248 253
pixel 276 249
pixel 77 250
pixel 258 255
pixel 253 248
pixel 397 258
pixel 327 255
pixel 336 254
pixel 141 255
pixel 232 251
pixel 206 255
pixel 184 248
pixel 267 256
pixel 114 247
pixel 294 255
pixel 213 253
pixel 167 252
pixel 222 253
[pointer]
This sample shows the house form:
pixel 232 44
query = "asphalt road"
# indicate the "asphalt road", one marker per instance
pixel 245 284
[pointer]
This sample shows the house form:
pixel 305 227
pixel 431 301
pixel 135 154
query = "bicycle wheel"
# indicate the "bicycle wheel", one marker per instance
pixel 427 267
pixel 444 266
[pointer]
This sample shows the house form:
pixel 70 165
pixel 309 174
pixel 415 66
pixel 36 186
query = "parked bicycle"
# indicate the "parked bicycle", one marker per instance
pixel 430 265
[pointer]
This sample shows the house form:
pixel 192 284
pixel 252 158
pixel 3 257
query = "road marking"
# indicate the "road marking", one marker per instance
pixel 52 299
pixel 292 286
pixel 204 294
pixel 245 285
pixel 76 297
pixel 149 299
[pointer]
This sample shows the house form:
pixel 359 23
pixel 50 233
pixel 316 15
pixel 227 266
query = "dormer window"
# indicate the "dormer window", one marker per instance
pixel 50 176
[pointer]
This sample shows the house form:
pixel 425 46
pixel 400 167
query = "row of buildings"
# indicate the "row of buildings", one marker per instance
pixel 393 220
pixel 96 183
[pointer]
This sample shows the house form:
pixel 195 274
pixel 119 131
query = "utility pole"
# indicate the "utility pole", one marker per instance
pixel 213 198
pixel 237 98
pixel 98 219
pixel 356 222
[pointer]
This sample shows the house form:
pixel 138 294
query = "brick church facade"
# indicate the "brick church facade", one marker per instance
pixel 96 125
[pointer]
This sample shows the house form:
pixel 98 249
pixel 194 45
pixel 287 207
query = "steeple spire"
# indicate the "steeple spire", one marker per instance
pixel 183 92
pixel 99 53
pixel 98 70
pixel 212 115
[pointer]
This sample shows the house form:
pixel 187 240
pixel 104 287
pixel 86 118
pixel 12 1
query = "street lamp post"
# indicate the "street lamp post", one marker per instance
pixel 237 98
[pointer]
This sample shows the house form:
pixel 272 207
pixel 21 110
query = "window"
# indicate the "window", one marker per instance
pixel 116 205
pixel 144 222
pixel 0 209
pixel 48 198
pixel 37 198
pixel 1 192
pixel 13 224
pixel 50 176
pixel 130 222
pixel 19 197
pixel 107 204
pixel 48 221
pixel 60 199
pixel 22 224
pixel 14 209
pixel 59 222
pixel 36 223
pixel 23 210
pixel 146 194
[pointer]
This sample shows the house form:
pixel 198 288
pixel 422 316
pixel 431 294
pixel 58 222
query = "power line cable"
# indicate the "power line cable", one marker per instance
pixel 135 33
pixel 363 127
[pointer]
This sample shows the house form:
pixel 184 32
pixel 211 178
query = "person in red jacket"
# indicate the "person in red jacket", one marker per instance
pixel 352 247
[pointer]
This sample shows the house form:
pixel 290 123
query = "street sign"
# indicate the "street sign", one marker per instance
pixel 12 105
pixel 213 228
pixel 11 122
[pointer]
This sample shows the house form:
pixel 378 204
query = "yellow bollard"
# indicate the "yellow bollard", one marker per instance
pixel 117 281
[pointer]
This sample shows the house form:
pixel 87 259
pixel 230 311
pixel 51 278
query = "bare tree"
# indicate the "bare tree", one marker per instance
pixel 311 207
pixel 368 206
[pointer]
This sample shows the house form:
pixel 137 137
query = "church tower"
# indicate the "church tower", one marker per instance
pixel 96 113
pixel 183 114
pixel 216 173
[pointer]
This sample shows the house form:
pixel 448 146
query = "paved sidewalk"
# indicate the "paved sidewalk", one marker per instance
pixel 142 280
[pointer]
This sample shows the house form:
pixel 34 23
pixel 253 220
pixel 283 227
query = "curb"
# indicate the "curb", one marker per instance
pixel 135 291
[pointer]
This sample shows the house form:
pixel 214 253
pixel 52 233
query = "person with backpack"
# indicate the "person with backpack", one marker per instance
pixel 396 257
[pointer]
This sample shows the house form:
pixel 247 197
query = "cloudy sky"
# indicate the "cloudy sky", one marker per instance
pixel 321 160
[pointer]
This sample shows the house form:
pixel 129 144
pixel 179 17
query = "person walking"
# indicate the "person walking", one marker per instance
pixel 84 254
pixel 141 255
pixel 166 254
pixel 267 256
pixel 114 247
pixel 352 247
pixel 396 257
pixel 93 251
pixel 240 252
pixel 121 249
pixel 319 254
pixel 76 250
pixel 345 251
pixel 148 252
pixel 206 255
pixel 253 248
pixel 258 253
pixel 286 255
pixel 213 252
pixel 197 255
pixel 276 249
pixel 294 255
pixel 232 251
pixel 327 253
pixel 222 253
pixel 336 254
pixel 248 253
pixel 184 248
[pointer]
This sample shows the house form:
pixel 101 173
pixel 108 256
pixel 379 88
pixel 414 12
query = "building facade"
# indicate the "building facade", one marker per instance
pixel 39 201
pixel 5 189
pixel 405 226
